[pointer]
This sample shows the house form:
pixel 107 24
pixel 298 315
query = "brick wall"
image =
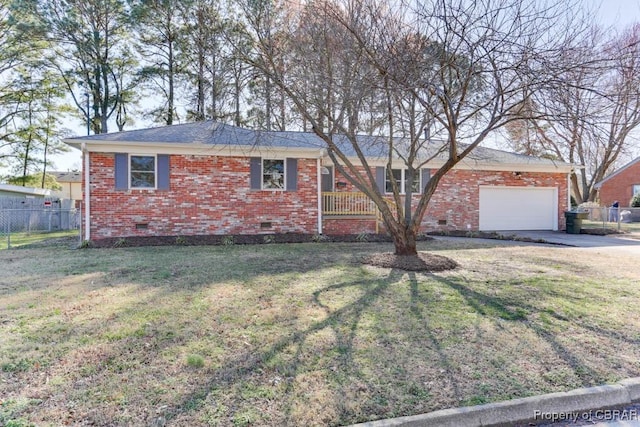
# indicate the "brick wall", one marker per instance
pixel 620 186
pixel 455 205
pixel 212 195
pixel 207 195
pixel 457 199
pixel 338 226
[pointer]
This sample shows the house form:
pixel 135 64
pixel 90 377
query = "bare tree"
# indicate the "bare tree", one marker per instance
pixel 586 117
pixel 89 38
pixel 455 70
pixel 268 20
pixel 161 25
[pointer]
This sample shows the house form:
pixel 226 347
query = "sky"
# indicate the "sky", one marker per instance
pixel 616 13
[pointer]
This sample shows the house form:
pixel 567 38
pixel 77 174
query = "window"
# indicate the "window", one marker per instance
pixel 143 171
pixel 402 179
pixel 269 174
pixel 636 189
pixel 133 171
pixel 273 174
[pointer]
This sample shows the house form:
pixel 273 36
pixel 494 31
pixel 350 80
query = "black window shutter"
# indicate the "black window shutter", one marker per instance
pixel 380 178
pixel 122 171
pixel 255 165
pixel 163 172
pixel 426 176
pixel 292 174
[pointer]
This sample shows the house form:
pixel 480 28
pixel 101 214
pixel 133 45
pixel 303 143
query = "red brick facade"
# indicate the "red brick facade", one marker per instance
pixel 620 186
pixel 212 195
pixel 207 195
pixel 456 203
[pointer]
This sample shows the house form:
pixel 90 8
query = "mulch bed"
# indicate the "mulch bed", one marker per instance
pixel 239 239
pixel 422 262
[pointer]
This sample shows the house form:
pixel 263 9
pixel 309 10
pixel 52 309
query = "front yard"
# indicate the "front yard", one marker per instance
pixel 303 334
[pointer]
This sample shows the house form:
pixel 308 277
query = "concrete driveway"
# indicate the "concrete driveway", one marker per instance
pixel 622 242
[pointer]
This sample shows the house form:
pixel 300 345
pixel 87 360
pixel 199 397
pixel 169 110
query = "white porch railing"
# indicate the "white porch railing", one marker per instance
pixel 347 203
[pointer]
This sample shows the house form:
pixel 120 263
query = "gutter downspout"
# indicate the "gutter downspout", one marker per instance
pixel 319 182
pixel 87 186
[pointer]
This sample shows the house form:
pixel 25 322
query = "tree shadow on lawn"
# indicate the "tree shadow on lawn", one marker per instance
pixel 346 375
pixel 344 322
pixel 505 310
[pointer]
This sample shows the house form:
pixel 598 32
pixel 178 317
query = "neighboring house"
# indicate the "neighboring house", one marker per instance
pixel 208 178
pixel 621 185
pixel 10 190
pixel 71 183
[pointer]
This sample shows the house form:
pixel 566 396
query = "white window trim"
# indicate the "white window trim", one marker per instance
pixel 635 189
pixel 284 173
pixel 403 180
pixel 155 172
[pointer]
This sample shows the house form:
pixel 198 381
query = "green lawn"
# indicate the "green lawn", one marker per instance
pixel 303 334
pixel 22 239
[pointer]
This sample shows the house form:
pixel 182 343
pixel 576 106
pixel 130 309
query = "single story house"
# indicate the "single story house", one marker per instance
pixel 208 178
pixel 621 185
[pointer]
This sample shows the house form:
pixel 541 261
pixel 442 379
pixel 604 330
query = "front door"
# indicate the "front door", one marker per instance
pixel 327 179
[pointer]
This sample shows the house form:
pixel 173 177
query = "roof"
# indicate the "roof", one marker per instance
pixel 69 176
pixel 28 191
pixel 210 133
pixel 627 166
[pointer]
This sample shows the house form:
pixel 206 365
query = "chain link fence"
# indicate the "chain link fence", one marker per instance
pixel 625 219
pixel 21 222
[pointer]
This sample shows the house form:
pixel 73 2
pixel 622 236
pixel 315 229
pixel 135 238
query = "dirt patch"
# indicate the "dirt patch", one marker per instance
pixel 422 262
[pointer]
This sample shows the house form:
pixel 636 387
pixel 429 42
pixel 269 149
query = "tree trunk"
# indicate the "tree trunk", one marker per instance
pixel 405 242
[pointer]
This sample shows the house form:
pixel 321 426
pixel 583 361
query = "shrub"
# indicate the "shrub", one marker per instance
pixel 121 242
pixel 269 238
pixel 318 238
pixel 362 237
pixel 635 201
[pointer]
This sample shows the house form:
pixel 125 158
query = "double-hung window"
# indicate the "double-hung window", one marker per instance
pixel 401 177
pixel 636 189
pixel 272 174
pixel 142 171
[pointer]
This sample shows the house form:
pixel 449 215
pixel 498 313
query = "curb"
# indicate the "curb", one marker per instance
pixel 543 409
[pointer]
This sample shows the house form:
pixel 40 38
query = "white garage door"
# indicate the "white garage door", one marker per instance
pixel 518 208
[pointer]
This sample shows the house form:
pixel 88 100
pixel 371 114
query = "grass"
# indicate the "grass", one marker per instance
pixel 23 238
pixel 303 334
pixel 628 227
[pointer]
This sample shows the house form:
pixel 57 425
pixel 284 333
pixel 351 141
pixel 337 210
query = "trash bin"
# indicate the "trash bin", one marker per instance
pixel 574 221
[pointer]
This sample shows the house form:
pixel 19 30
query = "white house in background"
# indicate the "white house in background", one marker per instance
pixel 9 190
pixel 71 183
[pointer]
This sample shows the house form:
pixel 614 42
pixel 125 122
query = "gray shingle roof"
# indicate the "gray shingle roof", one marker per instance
pixel 210 132
pixel 71 176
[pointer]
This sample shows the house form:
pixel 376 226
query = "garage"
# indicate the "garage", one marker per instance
pixel 518 208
